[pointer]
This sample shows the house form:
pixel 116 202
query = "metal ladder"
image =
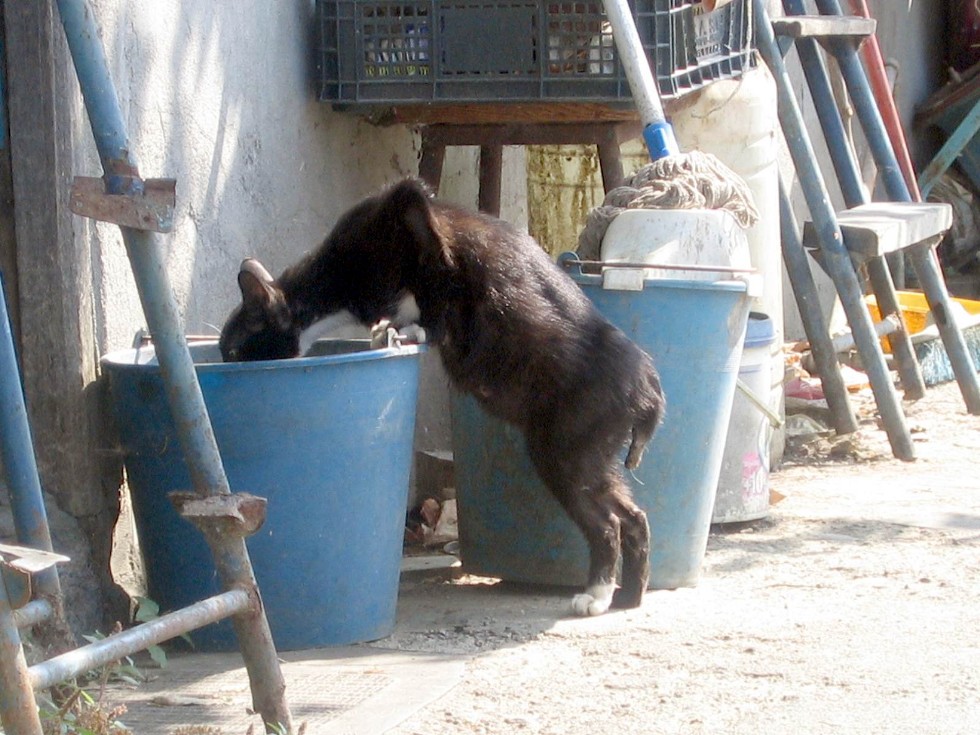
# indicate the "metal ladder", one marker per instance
pixel 864 233
pixel 30 581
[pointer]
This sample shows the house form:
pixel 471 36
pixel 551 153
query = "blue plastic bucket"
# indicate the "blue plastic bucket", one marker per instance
pixel 510 526
pixel 327 440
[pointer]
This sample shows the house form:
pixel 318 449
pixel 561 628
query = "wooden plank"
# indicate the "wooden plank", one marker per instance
pixel 8 243
pixel 491 166
pixel 153 210
pixel 528 134
pixel 823 26
pixel 878 228
pixel 57 344
pixel 495 114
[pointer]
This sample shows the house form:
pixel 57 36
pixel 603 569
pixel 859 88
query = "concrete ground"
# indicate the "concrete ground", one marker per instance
pixel 853 608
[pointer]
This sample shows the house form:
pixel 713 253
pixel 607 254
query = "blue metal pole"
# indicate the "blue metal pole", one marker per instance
pixel 867 110
pixel 122 177
pixel 834 133
pixel 18 709
pixel 101 101
pixel 849 178
pixel 837 260
pixel 101 652
pixel 176 366
pixel 17 456
pixel 814 324
pixel 969 126
pixel 923 258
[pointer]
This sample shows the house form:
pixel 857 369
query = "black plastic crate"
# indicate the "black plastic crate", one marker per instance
pixel 388 51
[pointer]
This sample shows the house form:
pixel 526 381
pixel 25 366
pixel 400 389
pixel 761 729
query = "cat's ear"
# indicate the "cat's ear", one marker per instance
pixel 256 283
pixel 411 200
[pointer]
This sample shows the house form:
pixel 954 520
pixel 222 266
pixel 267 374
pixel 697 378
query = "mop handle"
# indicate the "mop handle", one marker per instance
pixel 657 132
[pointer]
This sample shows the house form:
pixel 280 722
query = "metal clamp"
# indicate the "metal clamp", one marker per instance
pixel 151 209
pixel 237 514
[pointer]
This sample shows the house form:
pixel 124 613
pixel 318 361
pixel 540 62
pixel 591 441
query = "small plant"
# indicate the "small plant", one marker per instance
pixel 75 710
pixel 147 610
pixel 80 714
pixel 123 670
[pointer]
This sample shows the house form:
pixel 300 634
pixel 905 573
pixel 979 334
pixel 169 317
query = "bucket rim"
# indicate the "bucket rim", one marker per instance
pixel 724 284
pixel 126 359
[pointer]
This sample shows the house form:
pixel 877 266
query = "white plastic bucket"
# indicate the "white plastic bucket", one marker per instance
pixel 705 237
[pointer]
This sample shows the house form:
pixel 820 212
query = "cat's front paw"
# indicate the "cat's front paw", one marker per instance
pixel 594 601
pixel 383 335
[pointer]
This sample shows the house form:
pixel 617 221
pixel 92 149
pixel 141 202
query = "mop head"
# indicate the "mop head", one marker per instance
pixel 692 180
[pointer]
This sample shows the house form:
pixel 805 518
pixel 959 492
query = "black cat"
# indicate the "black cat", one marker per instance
pixel 512 329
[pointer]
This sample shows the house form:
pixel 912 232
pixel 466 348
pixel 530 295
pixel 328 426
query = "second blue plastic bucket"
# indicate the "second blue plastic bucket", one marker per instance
pixel 326 440
pixel 510 526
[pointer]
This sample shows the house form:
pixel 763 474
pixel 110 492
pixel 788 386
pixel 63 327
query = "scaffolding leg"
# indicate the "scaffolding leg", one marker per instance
pixel 23 484
pixel 18 709
pixel 122 178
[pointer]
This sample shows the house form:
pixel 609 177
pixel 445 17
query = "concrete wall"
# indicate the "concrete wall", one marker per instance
pixel 220 96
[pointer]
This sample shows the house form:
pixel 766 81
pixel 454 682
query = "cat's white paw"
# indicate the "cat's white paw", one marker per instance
pixel 594 601
pixel 383 335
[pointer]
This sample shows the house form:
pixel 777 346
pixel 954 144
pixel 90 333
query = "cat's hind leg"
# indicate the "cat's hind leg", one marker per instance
pixel 581 483
pixel 635 541
pixel 601 529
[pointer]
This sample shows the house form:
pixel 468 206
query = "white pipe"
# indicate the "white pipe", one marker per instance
pixel 634 61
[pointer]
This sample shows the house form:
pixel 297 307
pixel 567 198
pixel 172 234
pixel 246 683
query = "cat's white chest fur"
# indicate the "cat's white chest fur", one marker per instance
pixel 342 324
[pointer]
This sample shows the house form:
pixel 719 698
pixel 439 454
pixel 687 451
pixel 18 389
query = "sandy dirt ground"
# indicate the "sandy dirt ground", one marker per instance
pixel 853 608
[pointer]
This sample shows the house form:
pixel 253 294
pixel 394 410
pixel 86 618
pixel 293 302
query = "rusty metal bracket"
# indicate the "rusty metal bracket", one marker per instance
pixel 152 209
pixel 17 564
pixel 237 514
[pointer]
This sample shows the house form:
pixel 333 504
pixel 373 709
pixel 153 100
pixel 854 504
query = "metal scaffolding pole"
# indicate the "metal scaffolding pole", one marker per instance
pixel 141 207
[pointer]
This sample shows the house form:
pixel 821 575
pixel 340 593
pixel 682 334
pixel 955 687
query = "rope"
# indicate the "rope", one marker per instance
pixel 692 180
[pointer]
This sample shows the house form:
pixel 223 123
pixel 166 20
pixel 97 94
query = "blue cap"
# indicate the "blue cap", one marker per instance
pixel 760 330
pixel 660 140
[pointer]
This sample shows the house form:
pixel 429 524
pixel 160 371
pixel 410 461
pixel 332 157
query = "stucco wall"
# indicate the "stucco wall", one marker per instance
pixel 220 96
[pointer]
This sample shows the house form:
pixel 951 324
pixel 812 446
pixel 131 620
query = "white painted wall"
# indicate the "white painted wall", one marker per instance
pixel 220 96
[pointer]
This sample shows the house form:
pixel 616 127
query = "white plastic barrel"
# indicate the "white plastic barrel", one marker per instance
pixel 736 120
pixel 743 483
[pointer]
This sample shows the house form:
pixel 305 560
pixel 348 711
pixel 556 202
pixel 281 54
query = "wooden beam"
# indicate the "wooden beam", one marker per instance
pixel 53 276
pixel 514 112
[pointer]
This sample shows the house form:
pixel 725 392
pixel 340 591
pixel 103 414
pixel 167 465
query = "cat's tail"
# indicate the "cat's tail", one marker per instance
pixel 648 412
